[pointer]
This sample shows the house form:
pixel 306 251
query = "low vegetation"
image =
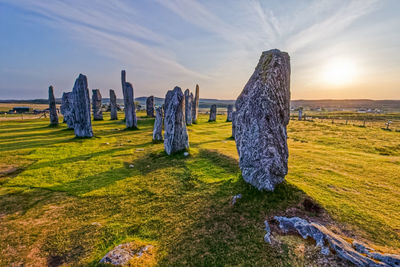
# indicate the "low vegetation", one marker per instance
pixel 68 201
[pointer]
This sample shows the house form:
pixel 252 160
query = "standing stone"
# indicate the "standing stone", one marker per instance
pixel 195 105
pixel 188 107
pixel 123 82
pixel 157 131
pixel 213 113
pixel 52 107
pixel 229 113
pixel 113 105
pixel 150 106
pixel 130 111
pixel 300 113
pixel 129 104
pixel 175 133
pixel 67 109
pixel 81 107
pixel 233 124
pixel 262 114
pixel 96 105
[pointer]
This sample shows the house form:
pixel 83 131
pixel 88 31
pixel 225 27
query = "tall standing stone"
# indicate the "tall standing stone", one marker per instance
pixel 130 111
pixel 300 113
pixel 129 104
pixel 213 113
pixel 233 124
pixel 52 107
pixel 96 105
pixel 175 133
pixel 195 105
pixel 188 107
pixel 113 105
pixel 157 130
pixel 150 106
pixel 81 107
pixel 67 109
pixel 123 82
pixel 262 114
pixel 229 113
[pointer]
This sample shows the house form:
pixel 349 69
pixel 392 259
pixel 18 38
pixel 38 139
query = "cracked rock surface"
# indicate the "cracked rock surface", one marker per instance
pixel 175 133
pixel 81 107
pixel 328 241
pixel 261 117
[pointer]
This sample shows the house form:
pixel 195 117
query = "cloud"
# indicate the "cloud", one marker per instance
pixel 215 44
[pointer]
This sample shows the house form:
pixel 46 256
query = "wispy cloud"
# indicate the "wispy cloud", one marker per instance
pixel 226 41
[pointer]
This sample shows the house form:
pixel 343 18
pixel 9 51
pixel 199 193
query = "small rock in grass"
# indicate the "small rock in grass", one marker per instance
pixel 131 165
pixel 107 143
pixel 124 253
pixel 267 237
pixel 186 154
pixel 235 198
pixel 140 149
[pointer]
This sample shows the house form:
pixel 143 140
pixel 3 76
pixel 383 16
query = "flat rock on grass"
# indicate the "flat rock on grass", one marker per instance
pixel 123 254
pixel 354 252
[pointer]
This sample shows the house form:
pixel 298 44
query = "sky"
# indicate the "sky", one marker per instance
pixel 339 49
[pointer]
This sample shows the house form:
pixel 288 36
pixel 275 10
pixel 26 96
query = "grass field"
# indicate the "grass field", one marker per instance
pixel 67 200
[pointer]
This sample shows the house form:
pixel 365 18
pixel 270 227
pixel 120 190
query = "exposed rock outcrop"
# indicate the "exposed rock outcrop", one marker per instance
pixel 355 252
pixel 262 114
pixel 123 254
pixel 175 133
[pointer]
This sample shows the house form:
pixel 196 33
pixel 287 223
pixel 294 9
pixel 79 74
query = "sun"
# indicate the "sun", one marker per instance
pixel 339 72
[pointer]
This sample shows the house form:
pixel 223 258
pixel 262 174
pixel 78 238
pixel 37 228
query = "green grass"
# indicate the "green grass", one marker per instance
pixel 74 199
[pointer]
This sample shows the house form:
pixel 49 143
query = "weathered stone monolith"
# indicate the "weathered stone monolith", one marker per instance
pixel 130 111
pixel 67 109
pixel 52 107
pixel 300 113
pixel 175 133
pixel 262 114
pixel 233 124
pixel 229 113
pixel 157 130
pixel 129 104
pixel 195 105
pixel 96 105
pixel 213 113
pixel 188 107
pixel 113 105
pixel 150 106
pixel 81 107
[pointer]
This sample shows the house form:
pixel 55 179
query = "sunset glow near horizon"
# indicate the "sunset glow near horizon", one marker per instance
pixel 339 49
